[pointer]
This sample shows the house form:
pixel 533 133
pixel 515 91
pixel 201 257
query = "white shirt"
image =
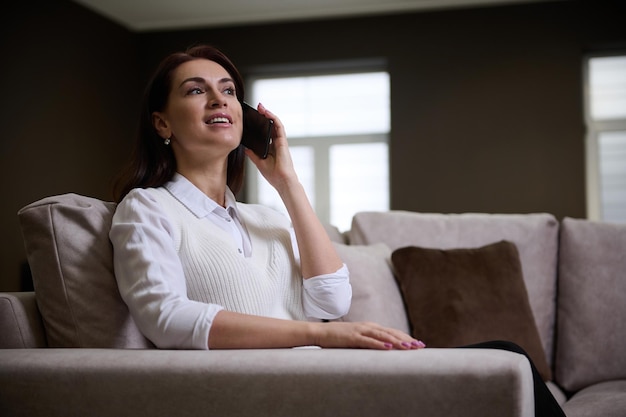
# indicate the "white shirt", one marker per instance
pixel 150 275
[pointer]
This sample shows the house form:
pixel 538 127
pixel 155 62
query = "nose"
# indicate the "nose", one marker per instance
pixel 216 101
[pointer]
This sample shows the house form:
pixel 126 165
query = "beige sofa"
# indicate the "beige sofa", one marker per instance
pixel 71 349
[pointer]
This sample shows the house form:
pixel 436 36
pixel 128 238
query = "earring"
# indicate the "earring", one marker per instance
pixel 167 141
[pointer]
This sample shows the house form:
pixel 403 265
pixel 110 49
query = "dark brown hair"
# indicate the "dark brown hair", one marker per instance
pixel 152 164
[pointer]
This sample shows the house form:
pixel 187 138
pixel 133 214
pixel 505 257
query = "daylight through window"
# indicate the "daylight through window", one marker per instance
pixel 338 127
pixel 606 141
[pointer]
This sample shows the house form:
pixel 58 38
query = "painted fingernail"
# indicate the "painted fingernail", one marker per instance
pixel 406 344
pixel 388 345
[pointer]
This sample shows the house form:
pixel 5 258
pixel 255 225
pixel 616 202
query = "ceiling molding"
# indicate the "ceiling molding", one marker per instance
pixel 152 15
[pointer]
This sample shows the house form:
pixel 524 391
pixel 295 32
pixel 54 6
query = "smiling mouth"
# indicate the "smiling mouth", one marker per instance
pixel 218 120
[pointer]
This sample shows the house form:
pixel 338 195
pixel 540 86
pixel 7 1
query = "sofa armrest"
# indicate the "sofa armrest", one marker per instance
pixel 277 382
pixel 20 321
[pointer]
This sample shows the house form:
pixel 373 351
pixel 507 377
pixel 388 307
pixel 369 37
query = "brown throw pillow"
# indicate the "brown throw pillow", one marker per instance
pixel 458 297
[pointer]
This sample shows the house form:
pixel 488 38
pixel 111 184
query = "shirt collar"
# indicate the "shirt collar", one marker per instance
pixel 195 200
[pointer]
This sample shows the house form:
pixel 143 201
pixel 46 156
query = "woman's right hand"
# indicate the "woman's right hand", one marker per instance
pixel 278 167
pixel 363 335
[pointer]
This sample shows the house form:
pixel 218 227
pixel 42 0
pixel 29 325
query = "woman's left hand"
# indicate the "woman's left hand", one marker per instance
pixel 277 168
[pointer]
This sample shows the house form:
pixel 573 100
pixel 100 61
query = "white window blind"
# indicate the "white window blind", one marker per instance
pixel 606 142
pixel 360 180
pixel 612 151
pixel 607 79
pixel 323 105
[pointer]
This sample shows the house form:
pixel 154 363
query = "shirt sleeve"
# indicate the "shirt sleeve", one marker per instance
pixel 325 297
pixel 150 276
pixel 328 296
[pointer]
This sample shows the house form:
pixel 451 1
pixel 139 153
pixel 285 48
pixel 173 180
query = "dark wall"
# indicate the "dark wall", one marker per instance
pixel 68 107
pixel 486 103
pixel 487 111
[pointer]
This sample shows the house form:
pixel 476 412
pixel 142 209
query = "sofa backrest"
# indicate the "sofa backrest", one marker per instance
pixel 535 235
pixel 591 342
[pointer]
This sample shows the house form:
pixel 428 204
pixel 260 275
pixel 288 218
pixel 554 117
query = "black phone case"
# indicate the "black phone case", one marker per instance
pixel 257 131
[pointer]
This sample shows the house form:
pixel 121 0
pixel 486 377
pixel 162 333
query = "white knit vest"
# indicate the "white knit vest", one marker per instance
pixel 266 284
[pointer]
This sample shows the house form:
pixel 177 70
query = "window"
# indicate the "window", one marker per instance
pixel 605 108
pixel 337 126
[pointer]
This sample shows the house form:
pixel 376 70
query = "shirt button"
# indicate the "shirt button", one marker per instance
pixel 239 250
pixel 227 219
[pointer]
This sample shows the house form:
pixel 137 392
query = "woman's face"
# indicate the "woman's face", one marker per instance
pixel 202 111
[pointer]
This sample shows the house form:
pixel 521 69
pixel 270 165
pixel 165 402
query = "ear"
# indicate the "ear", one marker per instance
pixel 161 125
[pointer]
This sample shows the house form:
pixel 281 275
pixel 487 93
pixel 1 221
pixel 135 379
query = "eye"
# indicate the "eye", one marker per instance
pixel 230 91
pixel 194 90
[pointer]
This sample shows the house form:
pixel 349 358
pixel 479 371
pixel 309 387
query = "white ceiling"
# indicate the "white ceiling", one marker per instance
pixel 146 15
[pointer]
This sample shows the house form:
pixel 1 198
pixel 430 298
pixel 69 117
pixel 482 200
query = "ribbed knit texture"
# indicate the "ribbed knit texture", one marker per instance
pixel 266 284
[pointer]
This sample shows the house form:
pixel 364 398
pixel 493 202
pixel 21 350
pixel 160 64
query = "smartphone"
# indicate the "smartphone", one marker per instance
pixel 257 131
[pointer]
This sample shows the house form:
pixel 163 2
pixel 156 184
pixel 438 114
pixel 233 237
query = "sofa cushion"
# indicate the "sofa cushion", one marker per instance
pixel 460 297
pixel 375 293
pixel 335 234
pixel 71 258
pixel 535 235
pixel 592 303
pixel 607 399
pixel 266 383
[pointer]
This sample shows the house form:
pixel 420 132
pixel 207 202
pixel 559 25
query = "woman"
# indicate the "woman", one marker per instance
pixel 199 270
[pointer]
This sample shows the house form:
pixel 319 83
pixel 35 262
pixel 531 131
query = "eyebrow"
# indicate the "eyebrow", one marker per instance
pixel 203 81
